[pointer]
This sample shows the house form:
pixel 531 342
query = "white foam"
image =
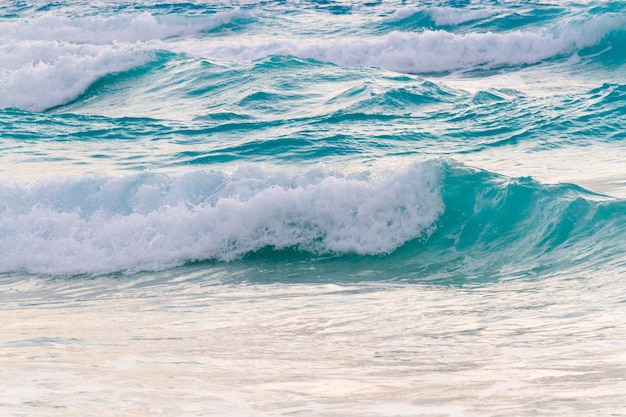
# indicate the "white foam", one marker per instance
pixel 433 51
pixel 151 221
pixel 449 16
pixel 404 13
pixel 43 74
pixel 101 30
pixel 50 60
pixel 444 16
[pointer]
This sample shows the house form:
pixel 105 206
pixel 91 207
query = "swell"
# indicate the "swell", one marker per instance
pixel 191 111
pixel 292 105
pixel 484 17
pixel 432 220
pixel 272 87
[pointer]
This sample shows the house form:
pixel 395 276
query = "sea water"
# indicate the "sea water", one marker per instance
pixel 327 208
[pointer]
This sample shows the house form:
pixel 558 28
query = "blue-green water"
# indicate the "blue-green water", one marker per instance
pixel 166 155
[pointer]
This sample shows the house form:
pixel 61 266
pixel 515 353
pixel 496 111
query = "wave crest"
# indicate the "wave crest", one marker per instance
pixel 437 51
pixel 47 61
pixel 153 221
pixel 101 30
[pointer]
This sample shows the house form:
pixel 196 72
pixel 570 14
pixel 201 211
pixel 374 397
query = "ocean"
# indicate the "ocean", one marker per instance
pixel 312 208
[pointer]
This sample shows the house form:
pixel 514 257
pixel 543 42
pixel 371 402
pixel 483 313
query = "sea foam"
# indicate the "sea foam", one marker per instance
pixel 117 28
pixel 50 60
pixel 444 16
pixel 150 221
pixel 39 75
pixel 431 51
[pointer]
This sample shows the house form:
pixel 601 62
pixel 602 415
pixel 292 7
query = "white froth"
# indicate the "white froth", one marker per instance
pixel 50 60
pixel 444 16
pixel 434 50
pixel 102 30
pixel 153 221
pixel 449 16
pixel 40 75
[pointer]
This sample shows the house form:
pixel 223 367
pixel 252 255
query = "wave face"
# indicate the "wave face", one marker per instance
pixel 434 216
pixel 495 226
pixel 142 136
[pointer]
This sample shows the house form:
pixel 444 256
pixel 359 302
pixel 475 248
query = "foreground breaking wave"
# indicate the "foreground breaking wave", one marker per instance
pixel 153 221
pixel 427 218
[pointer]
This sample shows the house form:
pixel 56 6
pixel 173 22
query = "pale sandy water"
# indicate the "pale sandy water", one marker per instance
pixel 186 343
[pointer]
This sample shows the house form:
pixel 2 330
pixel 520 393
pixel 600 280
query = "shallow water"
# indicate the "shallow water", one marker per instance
pixel 188 342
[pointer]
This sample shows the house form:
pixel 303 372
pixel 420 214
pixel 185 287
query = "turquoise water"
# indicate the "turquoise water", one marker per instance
pixel 314 207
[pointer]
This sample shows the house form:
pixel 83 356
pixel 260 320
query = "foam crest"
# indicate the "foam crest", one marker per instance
pixel 448 16
pixel 146 221
pixel 444 16
pixel 118 28
pixel 40 75
pixel 50 60
pixel 439 51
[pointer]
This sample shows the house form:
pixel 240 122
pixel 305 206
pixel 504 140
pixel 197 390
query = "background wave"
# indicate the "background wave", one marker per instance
pixel 49 60
pixel 177 111
pixel 440 51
